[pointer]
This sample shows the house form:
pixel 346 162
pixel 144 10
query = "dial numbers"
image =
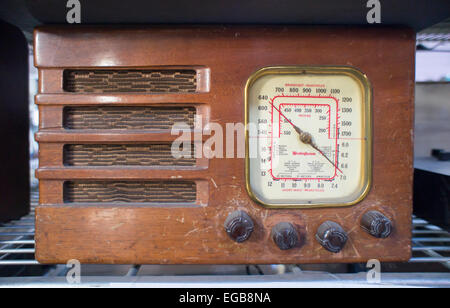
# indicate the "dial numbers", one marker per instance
pixel 293 159
pixel 313 137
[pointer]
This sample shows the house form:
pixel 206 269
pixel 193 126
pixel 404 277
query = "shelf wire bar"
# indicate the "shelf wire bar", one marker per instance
pixel 430 243
pixel 439 243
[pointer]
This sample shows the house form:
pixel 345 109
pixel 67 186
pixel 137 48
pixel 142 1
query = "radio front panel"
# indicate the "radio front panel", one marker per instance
pixel 224 145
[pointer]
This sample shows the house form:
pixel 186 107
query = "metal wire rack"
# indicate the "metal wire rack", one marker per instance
pixel 437 33
pixel 431 244
pixel 17 238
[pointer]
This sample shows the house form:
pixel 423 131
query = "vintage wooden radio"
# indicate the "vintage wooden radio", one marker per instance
pixel 325 174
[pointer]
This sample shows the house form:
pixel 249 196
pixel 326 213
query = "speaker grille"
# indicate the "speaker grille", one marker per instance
pixel 129 192
pixel 125 155
pixel 111 81
pixel 127 117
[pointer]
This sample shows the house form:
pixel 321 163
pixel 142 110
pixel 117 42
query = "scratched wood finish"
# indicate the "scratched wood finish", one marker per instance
pixel 162 235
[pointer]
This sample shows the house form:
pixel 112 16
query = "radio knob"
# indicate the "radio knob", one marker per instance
pixel 239 226
pixel 376 224
pixel 331 236
pixel 284 235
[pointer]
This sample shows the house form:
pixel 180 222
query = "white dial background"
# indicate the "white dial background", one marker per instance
pixel 286 171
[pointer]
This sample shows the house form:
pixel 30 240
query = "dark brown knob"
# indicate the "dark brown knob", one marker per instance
pixel 239 226
pixel 331 236
pixel 284 235
pixel 376 224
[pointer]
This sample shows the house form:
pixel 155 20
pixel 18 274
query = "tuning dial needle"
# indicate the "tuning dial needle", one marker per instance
pixel 305 137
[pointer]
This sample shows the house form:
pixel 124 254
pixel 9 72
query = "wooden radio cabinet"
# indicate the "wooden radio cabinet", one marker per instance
pixel 112 192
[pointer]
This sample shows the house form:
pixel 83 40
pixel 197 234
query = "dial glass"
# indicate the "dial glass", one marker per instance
pixel 308 140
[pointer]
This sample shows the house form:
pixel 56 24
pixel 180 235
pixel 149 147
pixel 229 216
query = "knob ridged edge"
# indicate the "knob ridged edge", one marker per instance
pixel 376 224
pixel 239 226
pixel 331 236
pixel 284 235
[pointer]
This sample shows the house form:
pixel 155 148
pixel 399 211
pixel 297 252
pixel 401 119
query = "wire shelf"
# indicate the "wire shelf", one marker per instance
pixel 437 33
pixel 17 238
pixel 430 244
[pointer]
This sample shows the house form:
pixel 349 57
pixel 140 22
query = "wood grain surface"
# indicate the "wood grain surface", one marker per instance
pixel 224 57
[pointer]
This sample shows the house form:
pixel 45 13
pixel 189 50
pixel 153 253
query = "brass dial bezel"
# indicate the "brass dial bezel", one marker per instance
pixel 366 91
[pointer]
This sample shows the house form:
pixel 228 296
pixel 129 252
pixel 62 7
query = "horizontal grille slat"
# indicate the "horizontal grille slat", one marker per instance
pixel 125 155
pixel 127 117
pixel 130 192
pixel 112 81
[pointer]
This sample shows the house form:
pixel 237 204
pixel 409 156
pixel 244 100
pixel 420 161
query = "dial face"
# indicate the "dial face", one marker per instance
pixel 308 138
